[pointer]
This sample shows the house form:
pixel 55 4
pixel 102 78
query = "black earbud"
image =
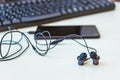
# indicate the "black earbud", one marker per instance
pixel 94 57
pixel 82 58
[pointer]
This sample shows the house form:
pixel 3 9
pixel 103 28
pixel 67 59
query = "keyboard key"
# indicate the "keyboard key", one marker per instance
pixel 15 21
pixel 63 11
pixel 69 10
pixel 74 8
pixel 0 23
pixel 41 17
pixel 6 22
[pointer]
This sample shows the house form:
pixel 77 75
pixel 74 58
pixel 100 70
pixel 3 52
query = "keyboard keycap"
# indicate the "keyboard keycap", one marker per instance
pixel 15 21
pixel 6 22
pixel 41 17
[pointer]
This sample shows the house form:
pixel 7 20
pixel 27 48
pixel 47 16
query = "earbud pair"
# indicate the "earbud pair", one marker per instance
pixel 83 57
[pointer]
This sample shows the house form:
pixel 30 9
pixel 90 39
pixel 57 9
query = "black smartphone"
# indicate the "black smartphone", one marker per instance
pixel 86 31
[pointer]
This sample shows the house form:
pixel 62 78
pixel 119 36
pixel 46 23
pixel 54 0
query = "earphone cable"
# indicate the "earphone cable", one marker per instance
pixel 11 42
pixel 37 48
pixel 8 56
pixel 84 45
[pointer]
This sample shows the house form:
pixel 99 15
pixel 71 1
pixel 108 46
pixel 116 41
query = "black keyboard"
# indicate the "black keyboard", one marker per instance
pixel 27 13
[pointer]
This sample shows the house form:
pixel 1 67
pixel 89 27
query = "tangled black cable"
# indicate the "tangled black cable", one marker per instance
pixel 9 56
pixel 49 44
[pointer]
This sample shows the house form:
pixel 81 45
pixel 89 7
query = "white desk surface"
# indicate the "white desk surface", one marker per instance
pixel 61 64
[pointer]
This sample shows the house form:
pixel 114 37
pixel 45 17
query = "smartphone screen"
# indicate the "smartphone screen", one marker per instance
pixel 86 31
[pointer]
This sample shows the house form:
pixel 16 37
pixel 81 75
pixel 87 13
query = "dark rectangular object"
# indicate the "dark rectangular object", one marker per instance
pixel 86 31
pixel 25 13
